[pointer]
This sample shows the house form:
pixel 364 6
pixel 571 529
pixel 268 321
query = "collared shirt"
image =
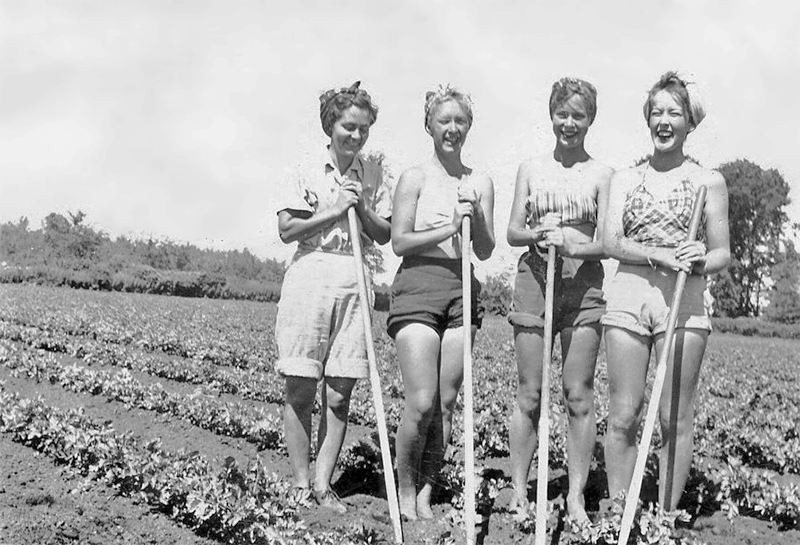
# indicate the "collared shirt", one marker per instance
pixel 316 187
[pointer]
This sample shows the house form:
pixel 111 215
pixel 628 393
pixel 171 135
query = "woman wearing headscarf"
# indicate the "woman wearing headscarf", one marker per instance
pixel 319 331
pixel 560 201
pixel 650 207
pixel 426 310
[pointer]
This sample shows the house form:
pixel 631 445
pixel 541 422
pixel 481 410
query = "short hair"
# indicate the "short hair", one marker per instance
pixel 444 93
pixel 566 88
pixel 684 90
pixel 333 102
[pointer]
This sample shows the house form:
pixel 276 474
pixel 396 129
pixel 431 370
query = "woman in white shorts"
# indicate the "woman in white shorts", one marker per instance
pixel 319 332
pixel 649 210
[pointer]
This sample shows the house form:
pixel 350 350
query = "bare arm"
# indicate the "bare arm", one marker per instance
pixel 405 240
pixel 483 241
pixel 518 233
pixel 377 228
pixel 717 256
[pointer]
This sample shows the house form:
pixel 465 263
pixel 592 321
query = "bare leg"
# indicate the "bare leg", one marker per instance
pixel 300 394
pixel 332 428
pixel 628 355
pixel 676 410
pixel 451 376
pixel 524 426
pixel 418 348
pixel 579 347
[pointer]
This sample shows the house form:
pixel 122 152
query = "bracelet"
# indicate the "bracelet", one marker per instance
pixel 650 261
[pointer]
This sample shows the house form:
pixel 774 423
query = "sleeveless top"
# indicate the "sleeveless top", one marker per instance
pixel 437 198
pixel 660 221
pixel 575 208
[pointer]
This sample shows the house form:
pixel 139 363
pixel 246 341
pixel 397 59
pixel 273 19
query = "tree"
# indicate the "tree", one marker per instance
pixel 784 295
pixel 757 219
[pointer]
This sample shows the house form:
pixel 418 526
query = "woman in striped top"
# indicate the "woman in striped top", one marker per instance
pixel 559 201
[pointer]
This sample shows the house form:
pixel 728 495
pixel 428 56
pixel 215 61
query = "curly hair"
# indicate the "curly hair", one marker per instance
pixel 335 101
pixel 444 93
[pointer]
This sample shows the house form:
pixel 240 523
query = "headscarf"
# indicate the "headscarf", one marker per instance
pixel 444 93
pixel 686 82
pixel 333 101
pixel 565 88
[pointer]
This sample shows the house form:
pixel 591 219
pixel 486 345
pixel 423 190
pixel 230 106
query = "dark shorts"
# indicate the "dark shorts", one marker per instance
pixel 427 290
pixel 577 301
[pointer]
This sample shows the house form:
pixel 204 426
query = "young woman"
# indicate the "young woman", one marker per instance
pixel 319 331
pixel 560 201
pixel 426 311
pixel 646 226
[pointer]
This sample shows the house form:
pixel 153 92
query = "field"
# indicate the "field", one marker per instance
pixel 145 419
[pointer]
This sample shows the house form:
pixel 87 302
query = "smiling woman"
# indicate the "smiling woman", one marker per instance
pixel 650 207
pixel 318 331
pixel 426 310
pixel 559 200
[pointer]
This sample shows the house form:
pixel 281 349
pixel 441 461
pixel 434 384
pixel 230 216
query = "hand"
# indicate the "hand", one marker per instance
pixel 691 252
pixel 349 195
pixel 468 194
pixel 549 232
pixel 665 257
pixel 461 210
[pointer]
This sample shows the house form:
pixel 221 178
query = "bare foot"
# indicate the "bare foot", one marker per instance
pixel 519 505
pixel 424 510
pixel 408 509
pixel 576 509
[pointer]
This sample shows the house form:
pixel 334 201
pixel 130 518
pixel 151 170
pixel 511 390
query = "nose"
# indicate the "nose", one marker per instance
pixel 356 134
pixel 569 122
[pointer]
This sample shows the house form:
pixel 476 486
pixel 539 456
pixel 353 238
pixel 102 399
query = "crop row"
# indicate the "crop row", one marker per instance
pixel 228 503
pixel 228 419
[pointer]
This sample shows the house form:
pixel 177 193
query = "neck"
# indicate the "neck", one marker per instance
pixel 451 162
pixel 341 163
pixel 569 156
pixel 665 161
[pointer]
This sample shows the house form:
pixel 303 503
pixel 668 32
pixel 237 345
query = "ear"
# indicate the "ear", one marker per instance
pixel 692 127
pixel 428 128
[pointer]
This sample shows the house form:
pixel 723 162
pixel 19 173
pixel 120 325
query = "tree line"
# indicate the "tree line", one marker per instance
pixel 65 250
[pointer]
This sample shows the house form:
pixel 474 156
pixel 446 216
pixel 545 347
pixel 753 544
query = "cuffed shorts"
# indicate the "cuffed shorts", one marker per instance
pixel 577 301
pixel 639 297
pixel 427 290
pixel 319 330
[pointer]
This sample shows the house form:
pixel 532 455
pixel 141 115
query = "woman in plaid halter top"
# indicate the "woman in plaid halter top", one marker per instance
pixel 647 221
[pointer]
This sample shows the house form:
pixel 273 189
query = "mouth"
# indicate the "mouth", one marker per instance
pixel 452 139
pixel 664 134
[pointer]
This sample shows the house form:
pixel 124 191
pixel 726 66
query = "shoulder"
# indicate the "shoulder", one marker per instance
pixel 709 177
pixel 626 177
pixel 412 178
pixel 600 169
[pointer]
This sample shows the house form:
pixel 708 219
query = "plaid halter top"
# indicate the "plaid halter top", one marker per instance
pixel 660 221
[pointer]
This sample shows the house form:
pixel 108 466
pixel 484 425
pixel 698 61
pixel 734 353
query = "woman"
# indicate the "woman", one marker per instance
pixel 426 311
pixel 319 332
pixel 560 201
pixel 646 227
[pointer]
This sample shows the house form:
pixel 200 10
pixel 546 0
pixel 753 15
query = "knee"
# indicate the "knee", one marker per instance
pixel 580 400
pixel 528 399
pixel 338 402
pixel 624 421
pixel 681 427
pixel 420 405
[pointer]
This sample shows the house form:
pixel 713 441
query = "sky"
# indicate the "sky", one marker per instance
pixel 177 119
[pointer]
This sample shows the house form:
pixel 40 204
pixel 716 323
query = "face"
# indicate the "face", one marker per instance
pixel 668 121
pixel 571 122
pixel 449 125
pixel 350 132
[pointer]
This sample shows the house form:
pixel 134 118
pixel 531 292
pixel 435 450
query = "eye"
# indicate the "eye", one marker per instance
pixel 561 115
